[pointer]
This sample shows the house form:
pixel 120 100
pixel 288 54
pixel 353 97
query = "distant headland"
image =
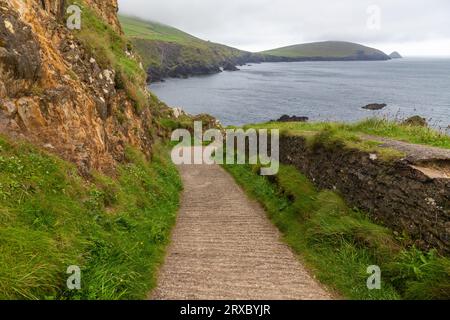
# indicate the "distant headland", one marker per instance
pixel 168 52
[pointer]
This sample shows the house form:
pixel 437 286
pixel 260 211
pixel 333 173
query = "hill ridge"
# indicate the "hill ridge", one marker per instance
pixel 170 52
pixel 328 50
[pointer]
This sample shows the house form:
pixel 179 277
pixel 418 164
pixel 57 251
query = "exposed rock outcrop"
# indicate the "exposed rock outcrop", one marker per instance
pixel 20 63
pixel 108 11
pixel 53 91
pixel 416 121
pixel 287 118
pixel 228 66
pixel 375 106
pixel 172 63
pixel 55 7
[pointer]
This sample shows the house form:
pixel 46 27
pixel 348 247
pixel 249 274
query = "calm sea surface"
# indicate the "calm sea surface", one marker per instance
pixel 319 90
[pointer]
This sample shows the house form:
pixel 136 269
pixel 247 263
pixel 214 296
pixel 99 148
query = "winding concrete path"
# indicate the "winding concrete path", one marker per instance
pixel 225 248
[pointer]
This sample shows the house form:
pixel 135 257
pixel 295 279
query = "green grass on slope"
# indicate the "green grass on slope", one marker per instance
pixel 148 38
pixel 407 133
pixel 327 49
pixel 115 229
pixel 350 133
pixel 338 244
pixel 109 49
pixel 137 28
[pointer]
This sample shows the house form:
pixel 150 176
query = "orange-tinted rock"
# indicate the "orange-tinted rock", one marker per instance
pixel 61 96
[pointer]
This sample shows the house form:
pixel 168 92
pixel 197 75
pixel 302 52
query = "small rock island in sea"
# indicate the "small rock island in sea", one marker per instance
pixel 375 106
pixel 286 118
pixel 395 55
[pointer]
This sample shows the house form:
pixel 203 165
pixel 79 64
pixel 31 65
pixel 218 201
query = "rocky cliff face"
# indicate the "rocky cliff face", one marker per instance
pixel 173 64
pixel 55 94
pixel 55 7
pixel 107 10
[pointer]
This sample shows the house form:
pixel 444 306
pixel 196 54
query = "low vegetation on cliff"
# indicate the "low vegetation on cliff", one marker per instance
pixel 112 50
pixel 114 228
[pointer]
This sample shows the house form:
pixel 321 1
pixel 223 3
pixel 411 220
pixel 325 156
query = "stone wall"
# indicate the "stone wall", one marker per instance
pixel 394 194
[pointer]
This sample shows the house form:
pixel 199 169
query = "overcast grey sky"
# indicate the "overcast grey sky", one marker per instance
pixel 412 27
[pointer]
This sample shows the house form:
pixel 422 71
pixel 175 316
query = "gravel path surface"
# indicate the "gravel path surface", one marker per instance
pixel 433 162
pixel 414 152
pixel 224 247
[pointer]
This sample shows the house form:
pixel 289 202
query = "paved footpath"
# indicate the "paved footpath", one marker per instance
pixel 225 248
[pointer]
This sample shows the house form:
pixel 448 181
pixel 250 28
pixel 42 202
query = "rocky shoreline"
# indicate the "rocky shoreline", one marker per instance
pixel 184 70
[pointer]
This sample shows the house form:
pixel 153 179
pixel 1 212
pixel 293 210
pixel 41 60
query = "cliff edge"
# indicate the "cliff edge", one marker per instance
pixel 73 92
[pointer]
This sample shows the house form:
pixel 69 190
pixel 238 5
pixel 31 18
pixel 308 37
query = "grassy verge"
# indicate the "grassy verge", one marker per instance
pixel 115 229
pixel 350 133
pixel 338 243
pixel 408 133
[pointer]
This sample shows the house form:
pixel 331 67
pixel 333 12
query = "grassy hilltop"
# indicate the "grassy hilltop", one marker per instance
pixel 328 50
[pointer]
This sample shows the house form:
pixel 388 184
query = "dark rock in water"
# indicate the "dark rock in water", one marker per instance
pixel 416 121
pixel 230 67
pixel 375 106
pixel 287 118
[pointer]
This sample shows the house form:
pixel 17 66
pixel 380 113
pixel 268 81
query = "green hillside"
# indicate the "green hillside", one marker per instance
pixel 169 52
pixel 328 50
pixel 136 28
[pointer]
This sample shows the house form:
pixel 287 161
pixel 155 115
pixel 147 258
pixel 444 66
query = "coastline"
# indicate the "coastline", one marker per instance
pixel 160 74
pixel 323 91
